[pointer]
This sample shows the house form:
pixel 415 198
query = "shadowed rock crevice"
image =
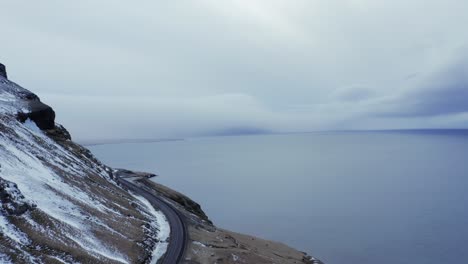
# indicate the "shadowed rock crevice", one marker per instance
pixel 3 72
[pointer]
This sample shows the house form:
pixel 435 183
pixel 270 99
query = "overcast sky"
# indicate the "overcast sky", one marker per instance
pixel 151 69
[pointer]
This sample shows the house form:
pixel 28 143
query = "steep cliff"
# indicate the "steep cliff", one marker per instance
pixel 58 203
pixel 3 71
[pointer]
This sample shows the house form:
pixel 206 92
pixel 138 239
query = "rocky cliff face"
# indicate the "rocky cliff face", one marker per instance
pixel 3 71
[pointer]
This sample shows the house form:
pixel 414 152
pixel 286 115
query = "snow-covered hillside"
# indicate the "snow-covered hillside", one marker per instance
pixel 58 204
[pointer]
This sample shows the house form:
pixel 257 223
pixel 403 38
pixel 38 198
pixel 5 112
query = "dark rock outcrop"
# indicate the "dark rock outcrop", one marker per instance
pixel 3 72
pixel 11 199
pixel 59 133
pixel 42 114
pixel 28 104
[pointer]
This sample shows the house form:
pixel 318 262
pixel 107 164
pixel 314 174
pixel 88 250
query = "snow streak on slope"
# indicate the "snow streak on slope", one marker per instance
pixel 12 232
pixel 48 190
pixel 159 223
pixel 10 92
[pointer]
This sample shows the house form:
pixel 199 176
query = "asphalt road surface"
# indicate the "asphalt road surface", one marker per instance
pixel 178 236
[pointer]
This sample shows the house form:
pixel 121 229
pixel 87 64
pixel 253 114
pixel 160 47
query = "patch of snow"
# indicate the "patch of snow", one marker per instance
pixel 59 259
pixel 9 102
pixel 7 97
pixel 32 126
pixel 198 244
pixel 235 258
pixel 12 232
pixel 4 259
pixel 159 222
pixel 92 245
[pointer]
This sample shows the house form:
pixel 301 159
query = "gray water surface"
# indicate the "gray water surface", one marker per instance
pixel 367 197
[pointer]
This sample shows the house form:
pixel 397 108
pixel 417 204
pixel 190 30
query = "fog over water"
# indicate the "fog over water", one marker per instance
pixel 159 69
pixel 362 197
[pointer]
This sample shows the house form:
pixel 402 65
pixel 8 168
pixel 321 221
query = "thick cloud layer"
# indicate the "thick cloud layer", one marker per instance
pixel 185 68
pixel 443 92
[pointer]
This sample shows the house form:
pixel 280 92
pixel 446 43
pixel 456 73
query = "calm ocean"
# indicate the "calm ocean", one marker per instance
pixel 343 197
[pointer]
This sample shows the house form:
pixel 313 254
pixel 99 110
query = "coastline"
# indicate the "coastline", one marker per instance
pixel 91 143
pixel 209 244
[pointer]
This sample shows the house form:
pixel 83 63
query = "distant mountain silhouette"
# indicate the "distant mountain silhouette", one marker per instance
pixel 237 131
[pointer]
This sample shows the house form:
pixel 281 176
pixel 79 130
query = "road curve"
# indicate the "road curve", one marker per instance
pixel 178 236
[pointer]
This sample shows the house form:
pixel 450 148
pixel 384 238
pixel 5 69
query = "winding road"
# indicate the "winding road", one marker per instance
pixel 178 235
